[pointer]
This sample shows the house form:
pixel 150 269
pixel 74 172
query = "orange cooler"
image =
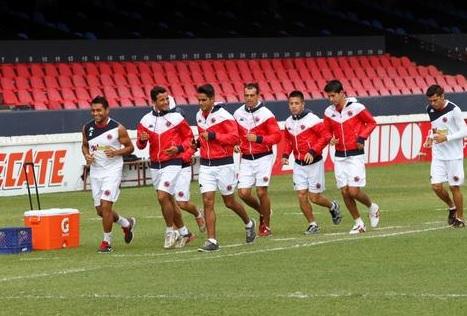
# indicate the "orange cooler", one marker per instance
pixel 54 228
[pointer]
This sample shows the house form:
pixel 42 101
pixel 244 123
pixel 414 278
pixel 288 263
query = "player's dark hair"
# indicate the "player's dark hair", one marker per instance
pixel 252 85
pixel 296 94
pixel 156 91
pixel 206 89
pixel 100 100
pixel 434 90
pixel 333 86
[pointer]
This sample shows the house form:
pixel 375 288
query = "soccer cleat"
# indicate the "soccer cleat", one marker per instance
pixel 312 229
pixel 250 233
pixel 209 247
pixel 201 222
pixel 104 247
pixel 451 216
pixel 374 215
pixel 458 223
pixel 182 240
pixel 264 231
pixel 128 231
pixel 357 229
pixel 335 211
pixel 170 239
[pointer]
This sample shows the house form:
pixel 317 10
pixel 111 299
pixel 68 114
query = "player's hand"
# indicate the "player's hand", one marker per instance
pixel 110 152
pixel 428 143
pixel 89 158
pixel 237 149
pixel 308 158
pixel 334 141
pixel 439 138
pixel 204 135
pixel 285 161
pixel 360 146
pixel 144 136
pixel 251 137
pixel 173 150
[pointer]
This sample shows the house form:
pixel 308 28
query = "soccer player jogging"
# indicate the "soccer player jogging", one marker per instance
pixel 259 132
pixel 105 141
pixel 218 134
pixel 446 139
pixel 306 137
pixel 168 135
pixel 182 186
pixel 350 124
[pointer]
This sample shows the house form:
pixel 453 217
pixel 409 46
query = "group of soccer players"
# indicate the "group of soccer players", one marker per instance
pixel 253 132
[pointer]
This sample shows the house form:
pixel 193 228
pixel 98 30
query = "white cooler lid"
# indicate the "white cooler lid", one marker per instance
pixel 51 212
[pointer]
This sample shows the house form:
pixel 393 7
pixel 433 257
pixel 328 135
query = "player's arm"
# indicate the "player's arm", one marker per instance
pixel 228 135
pixel 369 125
pixel 287 147
pixel 323 137
pixel 460 123
pixel 328 126
pixel 273 135
pixel 85 148
pixel 186 135
pixel 125 140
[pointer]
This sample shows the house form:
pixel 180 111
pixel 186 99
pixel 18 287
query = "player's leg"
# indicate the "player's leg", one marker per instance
pixel 456 180
pixel 316 187
pixel 301 184
pixel 439 175
pixel 182 197
pixel 263 167
pixel 207 183
pixel 246 181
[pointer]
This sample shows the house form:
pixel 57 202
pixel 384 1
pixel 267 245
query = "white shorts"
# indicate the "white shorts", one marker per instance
pixel 350 171
pixel 182 186
pixel 451 171
pixel 255 172
pixel 212 178
pixel 164 179
pixel 309 177
pixel 106 187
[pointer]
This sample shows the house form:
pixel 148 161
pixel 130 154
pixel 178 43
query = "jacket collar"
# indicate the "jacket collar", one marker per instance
pixel 162 113
pixel 256 108
pixel 301 115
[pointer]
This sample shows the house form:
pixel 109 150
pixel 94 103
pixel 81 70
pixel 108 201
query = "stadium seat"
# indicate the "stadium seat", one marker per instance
pixel 95 91
pixel 22 70
pixel 37 82
pixel 36 70
pixel 104 68
pixel 10 98
pixel 106 80
pixel 39 96
pixel 50 70
pixel 82 94
pixel 118 69
pixel 64 70
pixel 7 83
pixel 131 68
pixel 137 92
pixel 120 79
pixel 23 84
pixel 197 78
pixel 68 95
pixel 78 81
pixel 8 71
pixel 65 81
pixel 24 97
pixel 78 69
pixel 133 79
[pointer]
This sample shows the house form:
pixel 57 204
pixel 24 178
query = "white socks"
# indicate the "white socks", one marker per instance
pixel 212 240
pixel 249 225
pixel 108 237
pixel 122 221
pixel 183 231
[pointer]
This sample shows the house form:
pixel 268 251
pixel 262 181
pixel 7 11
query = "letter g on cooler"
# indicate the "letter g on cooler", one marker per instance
pixel 65 225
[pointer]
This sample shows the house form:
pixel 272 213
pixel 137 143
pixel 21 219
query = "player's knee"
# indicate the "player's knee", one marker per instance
pixel 302 195
pixel 243 193
pixel 163 197
pixel 437 187
pixel 353 192
pixel 314 197
pixel 262 193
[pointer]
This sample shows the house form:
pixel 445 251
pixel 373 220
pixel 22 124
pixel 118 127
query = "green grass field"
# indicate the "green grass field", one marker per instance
pixel 414 264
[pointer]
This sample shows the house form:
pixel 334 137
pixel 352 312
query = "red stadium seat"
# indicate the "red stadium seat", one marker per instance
pixel 147 79
pixel 104 68
pixel 133 79
pixel 131 68
pixel 23 71
pixel 197 78
pixel 107 80
pixel 37 70
pixel 82 94
pixel 37 82
pixel 93 81
pixel 50 70
pixel 91 69
pixel 39 96
pixel 10 98
pixel 22 83
pixel 8 71
pixel 78 69
pixel 7 83
pixel 64 69
pixel 120 80
pixel 118 69
pixel 24 97
pixel 78 81
pixel 110 93
pixel 68 95
pixel 137 92
pixel 95 91
pixel 124 93
pixel 65 82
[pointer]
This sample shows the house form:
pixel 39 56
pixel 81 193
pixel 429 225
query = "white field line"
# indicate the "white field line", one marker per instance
pixel 217 255
pixel 200 296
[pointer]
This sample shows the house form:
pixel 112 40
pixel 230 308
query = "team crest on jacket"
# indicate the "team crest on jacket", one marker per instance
pixel 213 120
pixel 445 119
pixel 151 126
pixel 109 136
pixel 168 124
pixel 302 126
pixel 199 121
pixel 265 179
pixel 257 119
pixel 229 187
pixel 349 113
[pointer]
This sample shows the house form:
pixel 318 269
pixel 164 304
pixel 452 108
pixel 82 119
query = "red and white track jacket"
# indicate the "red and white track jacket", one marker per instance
pixel 305 133
pixel 351 126
pixel 223 136
pixel 165 129
pixel 261 122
